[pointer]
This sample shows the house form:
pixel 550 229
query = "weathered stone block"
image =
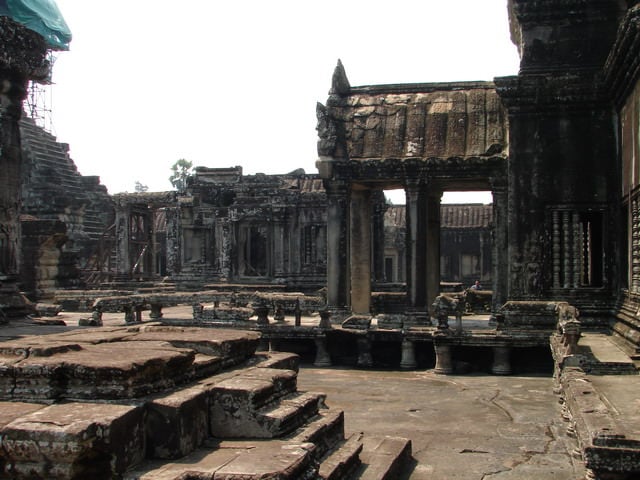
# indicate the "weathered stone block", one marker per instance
pixel 114 370
pixel 390 321
pixel 359 322
pixel 75 440
pixel 530 315
pixel 177 423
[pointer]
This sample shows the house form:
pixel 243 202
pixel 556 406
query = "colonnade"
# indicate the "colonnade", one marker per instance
pixel 351 247
pixel 352 255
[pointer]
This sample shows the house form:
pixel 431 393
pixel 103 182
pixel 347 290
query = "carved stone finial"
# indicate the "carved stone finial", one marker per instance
pixel 339 82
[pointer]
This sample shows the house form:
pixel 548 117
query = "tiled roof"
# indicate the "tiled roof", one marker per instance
pixel 451 216
pixel 466 216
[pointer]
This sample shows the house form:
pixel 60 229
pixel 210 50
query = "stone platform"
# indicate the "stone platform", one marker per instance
pixel 154 401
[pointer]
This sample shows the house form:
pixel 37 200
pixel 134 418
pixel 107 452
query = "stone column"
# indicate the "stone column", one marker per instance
pixel 278 242
pixel 224 232
pixel 149 261
pixel 11 96
pixel 501 360
pixel 360 251
pixel 416 238
pixel 123 262
pixel 433 246
pixel 173 240
pixel 444 362
pixel 408 361
pixel 379 208
pixel 22 57
pixel 500 261
pixel 337 244
pixel 322 355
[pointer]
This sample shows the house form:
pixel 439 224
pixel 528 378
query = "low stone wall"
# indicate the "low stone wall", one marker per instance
pixel 82 300
pixel 528 315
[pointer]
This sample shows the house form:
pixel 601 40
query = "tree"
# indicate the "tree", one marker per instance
pixel 182 170
pixel 140 187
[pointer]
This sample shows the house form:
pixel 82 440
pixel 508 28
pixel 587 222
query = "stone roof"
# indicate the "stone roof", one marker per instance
pixel 305 184
pixel 460 216
pixel 466 216
pixel 441 120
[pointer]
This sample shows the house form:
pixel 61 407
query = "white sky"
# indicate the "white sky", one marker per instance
pixel 147 82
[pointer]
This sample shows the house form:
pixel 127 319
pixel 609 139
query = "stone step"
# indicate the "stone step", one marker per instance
pixel 177 423
pixel 384 458
pixel 289 413
pixel 123 362
pixel 343 461
pixel 207 365
pixel 236 460
pixel 73 440
pixel 240 405
pixel 601 355
pixel 325 431
pixel 281 360
pixel 115 371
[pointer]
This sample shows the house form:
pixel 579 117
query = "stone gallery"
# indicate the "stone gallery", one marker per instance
pixel 320 266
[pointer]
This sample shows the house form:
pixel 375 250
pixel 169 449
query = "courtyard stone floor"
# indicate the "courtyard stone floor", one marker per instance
pixel 469 427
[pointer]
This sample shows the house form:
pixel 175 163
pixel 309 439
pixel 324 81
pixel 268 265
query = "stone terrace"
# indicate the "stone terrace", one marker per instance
pixel 162 402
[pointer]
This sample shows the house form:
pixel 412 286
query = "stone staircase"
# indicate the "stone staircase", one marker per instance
pixel 53 189
pixel 158 402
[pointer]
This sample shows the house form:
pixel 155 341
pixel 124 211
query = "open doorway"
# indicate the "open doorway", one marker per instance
pixel 466 221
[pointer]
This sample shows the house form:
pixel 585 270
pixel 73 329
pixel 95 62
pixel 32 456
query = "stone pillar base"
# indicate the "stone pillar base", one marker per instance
pixel 365 359
pixel 444 362
pixel 408 361
pixel 501 361
pixel 323 359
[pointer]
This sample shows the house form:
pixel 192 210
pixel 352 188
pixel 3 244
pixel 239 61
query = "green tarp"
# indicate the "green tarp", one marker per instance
pixel 41 16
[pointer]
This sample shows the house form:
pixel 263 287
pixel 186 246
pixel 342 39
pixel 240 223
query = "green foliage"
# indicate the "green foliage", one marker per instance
pixel 182 170
pixel 140 187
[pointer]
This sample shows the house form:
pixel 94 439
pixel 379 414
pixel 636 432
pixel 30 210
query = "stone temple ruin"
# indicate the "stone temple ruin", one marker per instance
pixel 320 264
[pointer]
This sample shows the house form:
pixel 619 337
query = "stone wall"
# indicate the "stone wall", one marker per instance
pixel 22 58
pixel 231 227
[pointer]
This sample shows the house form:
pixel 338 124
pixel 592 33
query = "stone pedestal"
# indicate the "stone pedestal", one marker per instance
pixel 323 359
pixel 444 363
pixel 261 312
pixel 501 361
pixel 325 319
pixel 408 361
pixel 156 311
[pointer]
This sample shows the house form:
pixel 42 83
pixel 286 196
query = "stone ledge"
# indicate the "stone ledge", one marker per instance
pixel 606 445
